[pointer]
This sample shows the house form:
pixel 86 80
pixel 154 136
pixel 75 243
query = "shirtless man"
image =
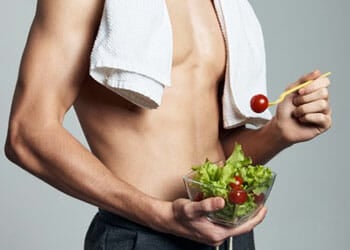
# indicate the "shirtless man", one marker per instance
pixel 139 156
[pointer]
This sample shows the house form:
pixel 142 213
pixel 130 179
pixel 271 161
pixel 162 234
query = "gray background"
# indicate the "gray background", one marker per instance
pixel 309 203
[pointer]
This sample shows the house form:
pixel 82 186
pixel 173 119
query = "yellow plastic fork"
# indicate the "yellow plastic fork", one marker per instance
pixel 287 92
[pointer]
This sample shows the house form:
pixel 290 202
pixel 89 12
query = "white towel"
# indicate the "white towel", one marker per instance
pixel 132 55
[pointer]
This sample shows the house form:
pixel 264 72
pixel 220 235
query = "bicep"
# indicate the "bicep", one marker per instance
pixel 56 57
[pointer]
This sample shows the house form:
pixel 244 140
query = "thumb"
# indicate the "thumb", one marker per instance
pixel 205 206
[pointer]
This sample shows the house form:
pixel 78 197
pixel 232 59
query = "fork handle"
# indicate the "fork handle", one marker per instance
pixel 285 93
pixel 303 85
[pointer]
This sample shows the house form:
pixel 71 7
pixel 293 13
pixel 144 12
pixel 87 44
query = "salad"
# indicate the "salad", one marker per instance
pixel 244 186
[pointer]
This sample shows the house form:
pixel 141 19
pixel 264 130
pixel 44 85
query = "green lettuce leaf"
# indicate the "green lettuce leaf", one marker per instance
pixel 216 180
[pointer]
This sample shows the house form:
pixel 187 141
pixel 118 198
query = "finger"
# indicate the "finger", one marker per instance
pixel 323 82
pixel 307 77
pixel 217 244
pixel 197 209
pixel 319 94
pixel 319 120
pixel 250 224
pixel 318 106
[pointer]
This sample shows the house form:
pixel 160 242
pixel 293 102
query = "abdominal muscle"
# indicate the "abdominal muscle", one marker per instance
pixel 153 149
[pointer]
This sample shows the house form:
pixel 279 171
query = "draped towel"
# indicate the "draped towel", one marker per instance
pixel 132 55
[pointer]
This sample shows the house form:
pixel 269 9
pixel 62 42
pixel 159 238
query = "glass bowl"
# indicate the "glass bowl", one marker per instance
pixel 239 207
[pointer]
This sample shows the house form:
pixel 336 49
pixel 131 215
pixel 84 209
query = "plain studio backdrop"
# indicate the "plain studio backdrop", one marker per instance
pixel 309 204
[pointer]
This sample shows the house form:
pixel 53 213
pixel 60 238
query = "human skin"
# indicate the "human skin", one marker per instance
pixel 138 156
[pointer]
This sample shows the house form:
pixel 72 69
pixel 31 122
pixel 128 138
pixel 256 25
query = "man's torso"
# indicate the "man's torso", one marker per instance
pixel 153 149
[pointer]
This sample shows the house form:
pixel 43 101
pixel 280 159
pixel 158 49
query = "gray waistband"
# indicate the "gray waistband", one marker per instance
pixel 119 221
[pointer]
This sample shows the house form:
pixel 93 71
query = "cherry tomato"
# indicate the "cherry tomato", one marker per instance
pixel 259 198
pixel 199 196
pixel 237 183
pixel 237 196
pixel 259 103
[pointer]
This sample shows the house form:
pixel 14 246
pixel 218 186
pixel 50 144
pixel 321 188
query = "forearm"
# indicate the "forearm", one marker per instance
pixel 259 144
pixel 56 157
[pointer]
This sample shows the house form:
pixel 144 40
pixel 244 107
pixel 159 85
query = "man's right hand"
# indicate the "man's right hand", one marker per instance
pixel 188 219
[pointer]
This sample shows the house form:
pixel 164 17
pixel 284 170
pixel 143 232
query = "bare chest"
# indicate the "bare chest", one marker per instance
pixel 197 36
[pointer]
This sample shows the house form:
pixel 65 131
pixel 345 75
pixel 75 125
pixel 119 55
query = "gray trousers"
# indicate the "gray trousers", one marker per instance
pixel 112 232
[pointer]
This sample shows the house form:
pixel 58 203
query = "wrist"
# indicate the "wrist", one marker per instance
pixel 276 135
pixel 161 215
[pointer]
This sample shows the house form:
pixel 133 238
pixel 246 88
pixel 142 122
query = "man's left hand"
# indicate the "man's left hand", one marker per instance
pixel 306 113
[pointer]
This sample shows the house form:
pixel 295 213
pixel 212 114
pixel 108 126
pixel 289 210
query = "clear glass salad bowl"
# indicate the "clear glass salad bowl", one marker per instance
pixel 241 204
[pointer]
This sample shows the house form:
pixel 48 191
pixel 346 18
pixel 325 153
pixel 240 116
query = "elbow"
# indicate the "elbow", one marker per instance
pixel 9 150
pixel 14 146
pixel 20 146
pixel 26 145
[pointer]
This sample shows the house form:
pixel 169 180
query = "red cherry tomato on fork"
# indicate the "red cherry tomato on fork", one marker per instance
pixel 259 103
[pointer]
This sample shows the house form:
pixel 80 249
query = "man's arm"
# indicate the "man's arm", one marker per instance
pixel 300 117
pixel 54 64
pixel 53 67
pixel 259 144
